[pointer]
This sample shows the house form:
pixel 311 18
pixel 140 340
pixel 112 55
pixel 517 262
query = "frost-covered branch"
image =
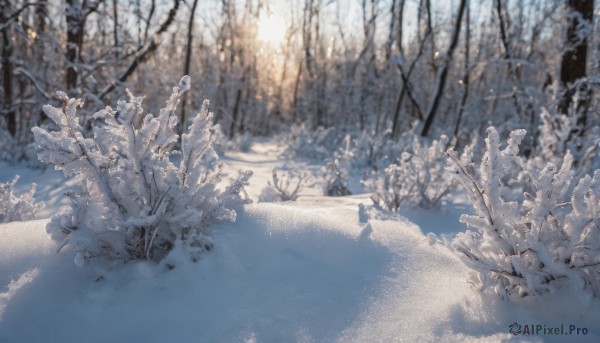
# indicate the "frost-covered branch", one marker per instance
pixel 15 207
pixel 418 178
pixel 136 203
pixel 540 242
pixel 285 187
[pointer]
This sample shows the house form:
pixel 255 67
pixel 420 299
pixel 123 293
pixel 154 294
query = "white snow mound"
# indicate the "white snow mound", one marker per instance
pixel 298 272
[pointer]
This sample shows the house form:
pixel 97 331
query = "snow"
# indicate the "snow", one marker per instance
pixel 51 185
pixel 313 270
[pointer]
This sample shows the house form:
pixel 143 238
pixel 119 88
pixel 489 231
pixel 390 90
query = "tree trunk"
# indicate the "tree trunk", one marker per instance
pixel 40 16
pixel 407 89
pixel 503 21
pixel 443 73
pixel 7 83
pixel 116 30
pixel 573 65
pixel 465 79
pixel 188 59
pixel 390 39
pixel 295 105
pixel 7 71
pixel 142 53
pixel 400 26
pixel 235 121
pixel 75 32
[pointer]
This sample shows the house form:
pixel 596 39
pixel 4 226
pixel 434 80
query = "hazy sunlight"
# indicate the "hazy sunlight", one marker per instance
pixel 271 29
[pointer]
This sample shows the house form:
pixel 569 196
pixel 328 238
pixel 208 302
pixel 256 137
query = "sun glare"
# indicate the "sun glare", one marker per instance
pixel 271 29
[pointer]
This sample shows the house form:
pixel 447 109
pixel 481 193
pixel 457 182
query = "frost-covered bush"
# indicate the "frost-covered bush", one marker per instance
pixel 554 133
pixel 220 141
pixel 389 188
pixel 18 149
pixel 243 142
pixel 17 207
pixel 539 243
pixel 558 135
pixel 285 186
pixel 316 144
pixel 379 150
pixel 337 171
pixel 370 149
pixel 136 203
pixel 419 178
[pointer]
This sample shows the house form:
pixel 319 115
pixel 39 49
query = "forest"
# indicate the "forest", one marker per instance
pixel 380 67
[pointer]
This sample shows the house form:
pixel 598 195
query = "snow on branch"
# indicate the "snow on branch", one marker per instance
pixel 418 178
pixel 15 207
pixel 136 202
pixel 538 243
pixel 285 186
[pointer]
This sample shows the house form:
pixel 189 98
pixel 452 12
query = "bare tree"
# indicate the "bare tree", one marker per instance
pixel 466 71
pixel 573 64
pixel 390 39
pixel 77 12
pixel 7 68
pixel 116 28
pixel 10 16
pixel 443 73
pixel 143 52
pixel 407 89
pixel 188 60
pixel 504 22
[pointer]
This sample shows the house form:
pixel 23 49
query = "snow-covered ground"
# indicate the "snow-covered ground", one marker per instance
pixel 306 271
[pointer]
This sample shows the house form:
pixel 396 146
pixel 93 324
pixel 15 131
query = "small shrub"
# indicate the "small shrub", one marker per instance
pixel 337 171
pixel 136 203
pixel 418 178
pixel 378 150
pixel 312 144
pixel 285 187
pixel 558 135
pixel 538 243
pixel 390 189
pixel 17 207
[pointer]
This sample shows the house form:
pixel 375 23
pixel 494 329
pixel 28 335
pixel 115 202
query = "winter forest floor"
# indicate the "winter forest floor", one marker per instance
pixel 312 270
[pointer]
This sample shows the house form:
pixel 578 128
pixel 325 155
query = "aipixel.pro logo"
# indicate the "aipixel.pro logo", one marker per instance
pixel 542 329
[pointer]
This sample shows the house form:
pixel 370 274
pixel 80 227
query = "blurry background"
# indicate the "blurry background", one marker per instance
pixel 377 68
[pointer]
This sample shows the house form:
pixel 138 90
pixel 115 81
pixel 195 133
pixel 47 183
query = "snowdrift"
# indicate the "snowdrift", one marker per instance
pixel 306 271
